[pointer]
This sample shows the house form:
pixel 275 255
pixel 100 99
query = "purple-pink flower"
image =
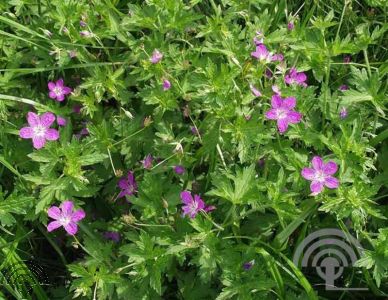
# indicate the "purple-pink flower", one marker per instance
pixel 276 90
pixel 85 33
pixel 290 25
pixel 147 162
pixel 166 85
pixel 178 169
pixel 127 185
pixel 321 175
pixel 248 265
pixel 61 121
pixel 192 206
pixel 343 87
pixel 343 113
pixel 65 216
pixel 283 111
pixel 39 130
pixel 156 56
pixel 277 57
pixel 298 78
pixel 261 53
pixel 254 91
pixel 347 59
pixel 57 90
pixel 112 235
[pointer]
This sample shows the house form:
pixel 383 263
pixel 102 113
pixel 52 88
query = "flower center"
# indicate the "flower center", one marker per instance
pixel 320 176
pixel 58 91
pixel 65 220
pixel 194 207
pixel 281 113
pixel 39 130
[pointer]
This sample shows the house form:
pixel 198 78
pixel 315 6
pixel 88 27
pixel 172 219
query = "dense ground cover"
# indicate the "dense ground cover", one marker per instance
pixel 170 149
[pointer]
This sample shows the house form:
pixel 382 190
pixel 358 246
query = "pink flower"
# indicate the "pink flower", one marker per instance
pixel 77 109
pixel 61 121
pixel 57 90
pixel 192 206
pixel 276 90
pixel 156 56
pixel 298 78
pixel 321 175
pixel 179 169
pixel 85 33
pixel 147 162
pixel 112 235
pixel 65 216
pixel 39 130
pixel 290 25
pixel 347 59
pixel 82 23
pixel 72 53
pixel 283 111
pixel 261 53
pixel 127 185
pixel 277 57
pixel 268 73
pixel 343 87
pixel 166 85
pixel 343 113
pixel 255 91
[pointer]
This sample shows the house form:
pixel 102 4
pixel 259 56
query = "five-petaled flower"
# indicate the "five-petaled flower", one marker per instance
pixel 127 185
pixel 65 216
pixel 261 53
pixel 156 56
pixel 192 206
pixel 39 130
pixel 57 90
pixel 298 78
pixel 321 175
pixel 283 111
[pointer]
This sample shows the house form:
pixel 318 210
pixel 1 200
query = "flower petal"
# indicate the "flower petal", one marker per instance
pixel 317 162
pixel 316 187
pixel 330 168
pixel 67 208
pixel 276 101
pixel 282 125
pixel 54 212
pixel 66 90
pixel 53 225
pixel 186 197
pixel 59 82
pixel 26 132
pixel 78 215
pixel 52 95
pixel 200 203
pixel 71 228
pixel 271 114
pixel 47 119
pixel 38 142
pixel 331 182
pixel 33 119
pixel 60 97
pixel 52 134
pixel 123 184
pixel 289 102
pixel 308 173
pixel 51 85
pixel 294 117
